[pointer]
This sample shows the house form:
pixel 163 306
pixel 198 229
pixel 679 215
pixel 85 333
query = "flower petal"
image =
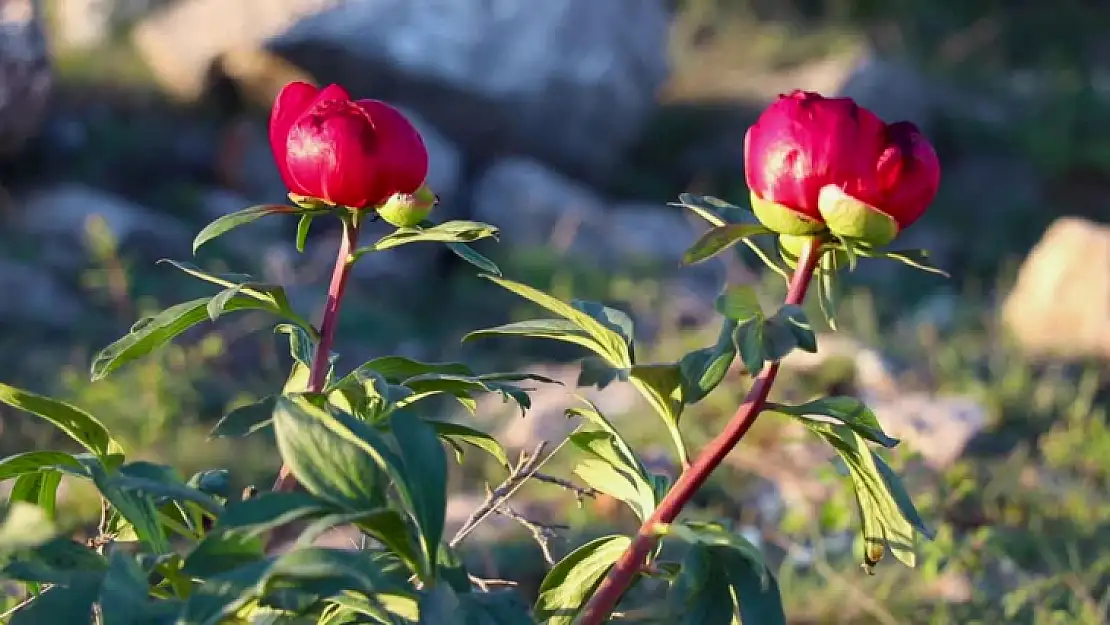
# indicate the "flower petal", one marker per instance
pixel 332 154
pixel 402 149
pixel 291 102
pixel 908 172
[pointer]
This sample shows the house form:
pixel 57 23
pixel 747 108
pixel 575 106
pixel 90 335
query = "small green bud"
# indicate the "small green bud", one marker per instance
pixel 404 210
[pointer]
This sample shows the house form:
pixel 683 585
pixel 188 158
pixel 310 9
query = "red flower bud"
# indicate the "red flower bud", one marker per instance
pixel 348 153
pixel 804 143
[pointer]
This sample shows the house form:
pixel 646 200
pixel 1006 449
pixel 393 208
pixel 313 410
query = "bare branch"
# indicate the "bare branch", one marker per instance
pixel 525 468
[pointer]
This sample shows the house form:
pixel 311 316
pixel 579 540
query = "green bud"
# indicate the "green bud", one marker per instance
pixel 783 220
pixel 309 203
pixel 850 218
pixel 404 210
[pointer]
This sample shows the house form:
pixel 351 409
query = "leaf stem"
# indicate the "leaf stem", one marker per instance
pixel 622 574
pixel 321 358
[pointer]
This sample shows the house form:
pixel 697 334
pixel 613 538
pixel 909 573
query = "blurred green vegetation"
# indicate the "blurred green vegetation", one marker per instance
pixel 1023 518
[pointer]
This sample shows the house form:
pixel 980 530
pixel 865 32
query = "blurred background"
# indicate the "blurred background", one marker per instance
pixel 126 125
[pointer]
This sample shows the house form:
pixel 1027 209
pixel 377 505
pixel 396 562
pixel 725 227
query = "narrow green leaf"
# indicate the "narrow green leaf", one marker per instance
pixel 471 256
pixel 615 320
pixel 245 420
pixel 161 329
pixel 397 369
pixel 573 580
pixel 222 595
pixel 303 227
pixel 849 411
pixel 269 510
pixel 447 232
pixel 613 467
pixel 553 329
pixel 700 594
pixel 754 588
pixel 661 386
pixel 455 433
pixel 137 510
pixel 124 594
pixel 713 535
pixel 918 259
pixel 425 478
pixel 39 488
pixel 231 221
pixel 609 344
pixel 221 552
pixel 828 286
pixel 218 303
pixel 76 423
pixel 714 210
pixel 140 478
pixel 34 461
pixel 720 238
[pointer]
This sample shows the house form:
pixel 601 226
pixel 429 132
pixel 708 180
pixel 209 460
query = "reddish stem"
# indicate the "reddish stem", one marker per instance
pixel 320 359
pixel 633 560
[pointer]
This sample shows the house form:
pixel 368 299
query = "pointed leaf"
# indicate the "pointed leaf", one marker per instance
pixel 455 433
pixel 76 423
pixel 239 218
pixel 568 585
pixel 794 318
pixel 739 303
pixel 719 239
pixel 918 259
pixel 245 420
pixel 303 227
pixel 714 210
pixel 704 369
pixel 34 461
pixel 425 467
pixel 849 411
pixel 553 329
pixel 447 232
pixel 467 253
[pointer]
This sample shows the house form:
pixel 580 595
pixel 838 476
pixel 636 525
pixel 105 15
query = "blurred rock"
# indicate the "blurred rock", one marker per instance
pixel 938 427
pixel 60 216
pixel 871 371
pixel 39 297
pixel 80 24
pixel 25 74
pixel 570 81
pixel 182 41
pixel 535 206
pixel 1060 304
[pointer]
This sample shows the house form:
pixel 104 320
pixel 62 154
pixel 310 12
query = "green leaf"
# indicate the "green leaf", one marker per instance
pixel 918 259
pixel 397 369
pixel 606 343
pixel 828 286
pixel 35 461
pixel 39 488
pixel 76 423
pixel 720 238
pixel 794 318
pixel 137 510
pixel 303 225
pixel 612 467
pixel 161 483
pixel 222 595
pixel 471 256
pixel 447 232
pixel 888 521
pixel 700 594
pixel 615 320
pixel 327 572
pixel 762 339
pixel 714 210
pixel 222 551
pixel 572 581
pixel 553 329
pixel 755 588
pixel 331 455
pixel 717 583
pixel 124 594
pixel 266 511
pixel 849 411
pixel 23 525
pixel 661 386
pixel 57 561
pixel 455 433
pixel 739 303
pixel 245 420
pixel 440 604
pixel 712 535
pixel 704 369
pixel 425 479
pixel 163 328
pixel 233 220
pixel 60 604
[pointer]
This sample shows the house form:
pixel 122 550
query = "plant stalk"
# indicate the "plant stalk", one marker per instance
pixel 320 358
pixel 622 574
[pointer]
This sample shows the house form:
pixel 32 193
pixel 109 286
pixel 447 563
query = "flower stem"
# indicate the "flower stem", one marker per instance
pixel 621 576
pixel 321 357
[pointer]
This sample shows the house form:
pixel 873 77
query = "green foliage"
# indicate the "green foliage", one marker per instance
pixel 370 454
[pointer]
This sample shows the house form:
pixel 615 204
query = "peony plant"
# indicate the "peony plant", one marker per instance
pixel 830 183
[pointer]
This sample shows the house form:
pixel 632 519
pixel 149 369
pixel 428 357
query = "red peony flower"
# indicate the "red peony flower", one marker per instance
pixel 814 162
pixel 348 153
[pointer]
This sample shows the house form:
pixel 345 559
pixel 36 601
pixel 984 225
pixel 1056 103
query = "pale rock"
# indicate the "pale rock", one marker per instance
pixel 1060 303
pixel 938 427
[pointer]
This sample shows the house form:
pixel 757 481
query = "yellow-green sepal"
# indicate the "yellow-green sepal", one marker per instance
pixel 852 219
pixel 784 220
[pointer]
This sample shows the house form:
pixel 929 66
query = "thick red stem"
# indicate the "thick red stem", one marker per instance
pixel 621 576
pixel 318 376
